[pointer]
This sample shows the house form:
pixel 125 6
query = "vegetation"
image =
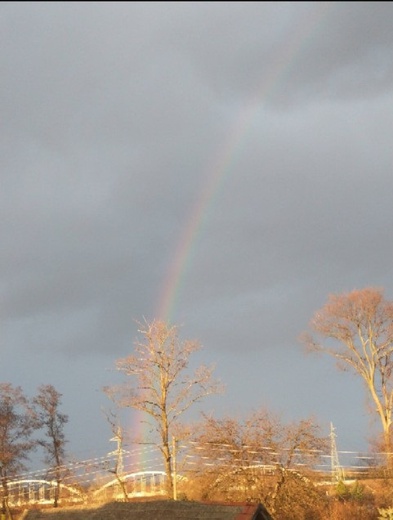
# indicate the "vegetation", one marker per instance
pixel 385 514
pixel 162 387
pixel 17 423
pixel 357 329
pixel 256 458
pixel 47 403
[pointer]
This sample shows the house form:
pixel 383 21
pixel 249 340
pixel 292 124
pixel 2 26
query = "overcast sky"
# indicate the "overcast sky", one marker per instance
pixel 227 165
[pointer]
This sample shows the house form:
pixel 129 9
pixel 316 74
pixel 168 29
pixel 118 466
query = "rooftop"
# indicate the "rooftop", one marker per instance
pixel 156 510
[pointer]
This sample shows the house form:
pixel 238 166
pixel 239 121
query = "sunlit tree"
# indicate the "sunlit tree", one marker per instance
pixel 52 421
pixel 259 458
pixel 17 424
pixel 356 328
pixel 161 384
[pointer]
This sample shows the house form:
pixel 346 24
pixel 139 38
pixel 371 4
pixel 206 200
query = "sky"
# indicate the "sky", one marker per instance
pixel 222 166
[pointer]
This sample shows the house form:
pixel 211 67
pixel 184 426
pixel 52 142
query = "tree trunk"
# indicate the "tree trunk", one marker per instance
pixel 168 469
pixel 57 494
pixel 281 474
pixel 388 449
pixel 5 505
pixel 123 487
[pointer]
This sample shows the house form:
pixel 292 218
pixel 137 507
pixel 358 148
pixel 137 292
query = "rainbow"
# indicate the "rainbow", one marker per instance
pixel 222 163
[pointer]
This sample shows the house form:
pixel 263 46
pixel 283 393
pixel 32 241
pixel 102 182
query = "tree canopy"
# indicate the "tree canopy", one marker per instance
pixel 357 329
pixel 162 386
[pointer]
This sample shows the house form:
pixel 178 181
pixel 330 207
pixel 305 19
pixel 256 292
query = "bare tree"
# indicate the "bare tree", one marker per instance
pixel 163 386
pixel 118 437
pixel 259 458
pixel 357 329
pixel 47 403
pixel 17 423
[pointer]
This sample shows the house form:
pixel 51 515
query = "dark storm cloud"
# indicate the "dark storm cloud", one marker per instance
pixel 92 139
pixel 348 56
pixel 114 118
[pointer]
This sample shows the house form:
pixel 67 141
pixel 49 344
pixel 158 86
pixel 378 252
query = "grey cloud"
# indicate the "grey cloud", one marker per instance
pixel 326 50
pixel 115 119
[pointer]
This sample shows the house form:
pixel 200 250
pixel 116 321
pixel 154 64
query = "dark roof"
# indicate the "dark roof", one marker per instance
pixel 157 510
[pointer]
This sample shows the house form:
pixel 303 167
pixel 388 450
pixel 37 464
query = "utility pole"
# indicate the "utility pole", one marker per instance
pixel 337 471
pixel 119 450
pixel 119 468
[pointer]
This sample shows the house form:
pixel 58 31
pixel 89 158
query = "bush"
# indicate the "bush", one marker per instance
pixel 385 514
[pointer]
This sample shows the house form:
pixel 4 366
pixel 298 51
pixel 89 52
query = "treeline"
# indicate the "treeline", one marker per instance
pixel 356 328
pixel 21 419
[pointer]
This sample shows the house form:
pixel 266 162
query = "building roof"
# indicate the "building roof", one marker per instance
pixel 157 510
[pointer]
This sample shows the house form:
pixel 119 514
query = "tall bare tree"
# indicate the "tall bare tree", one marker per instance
pixel 17 423
pixel 48 402
pixel 162 385
pixel 357 329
